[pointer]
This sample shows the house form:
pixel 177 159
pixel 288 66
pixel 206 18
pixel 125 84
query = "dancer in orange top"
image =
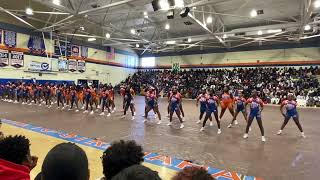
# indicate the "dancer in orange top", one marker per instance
pixel 226 102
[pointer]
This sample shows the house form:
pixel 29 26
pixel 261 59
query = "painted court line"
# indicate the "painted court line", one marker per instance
pixel 152 158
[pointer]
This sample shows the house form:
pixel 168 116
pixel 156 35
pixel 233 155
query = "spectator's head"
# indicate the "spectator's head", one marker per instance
pixel 193 173
pixel 121 155
pixel 16 149
pixel 65 161
pixel 254 93
pixel 137 172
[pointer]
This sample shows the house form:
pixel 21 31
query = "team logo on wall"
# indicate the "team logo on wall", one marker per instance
pixel 75 51
pixel 72 65
pixel 10 38
pixel 4 58
pixel 39 66
pixel 17 59
pixel 36 45
pixel 81 66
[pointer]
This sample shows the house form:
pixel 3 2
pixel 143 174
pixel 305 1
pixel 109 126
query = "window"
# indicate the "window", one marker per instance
pixel 148 62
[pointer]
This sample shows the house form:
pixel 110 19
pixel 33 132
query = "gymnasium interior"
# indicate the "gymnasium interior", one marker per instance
pixel 68 68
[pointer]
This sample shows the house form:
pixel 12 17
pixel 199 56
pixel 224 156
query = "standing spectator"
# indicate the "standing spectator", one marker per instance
pixel 15 159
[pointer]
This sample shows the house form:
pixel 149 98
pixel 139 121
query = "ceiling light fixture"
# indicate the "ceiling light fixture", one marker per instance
pixel 317 4
pixel 164 5
pixel 56 2
pixel 209 20
pixel 145 14
pixel 133 31
pixel 137 45
pixel 224 36
pixel 307 27
pixel 189 40
pixel 274 30
pixel 260 33
pixel 253 13
pixel 167 26
pixel 91 39
pixel 29 11
pixel 81 28
pixel 179 3
pixel 108 35
pixel 170 42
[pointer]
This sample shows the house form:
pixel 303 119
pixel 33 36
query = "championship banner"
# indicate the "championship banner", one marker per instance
pixel 84 52
pixel 4 58
pixel 62 65
pixel 10 38
pixel 110 53
pixel 0 36
pixel 75 51
pixel 36 45
pixel 81 66
pixel 61 48
pixel 17 59
pixel 39 66
pixel 72 65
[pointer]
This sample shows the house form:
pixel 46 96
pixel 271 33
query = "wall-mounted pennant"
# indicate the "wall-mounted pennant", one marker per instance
pixel 63 65
pixel 4 58
pixel 84 52
pixel 75 51
pixel 10 38
pixel 110 53
pixel 72 65
pixel 36 45
pixel 81 66
pixel 17 59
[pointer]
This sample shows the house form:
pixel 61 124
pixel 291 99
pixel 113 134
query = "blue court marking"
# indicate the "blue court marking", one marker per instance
pixel 152 158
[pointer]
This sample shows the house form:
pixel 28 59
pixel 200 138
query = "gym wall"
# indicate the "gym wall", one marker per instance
pixel 278 57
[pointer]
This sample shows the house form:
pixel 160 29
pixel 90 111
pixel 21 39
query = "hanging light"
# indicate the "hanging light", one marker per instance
pixel 81 28
pixel 209 20
pixel 253 13
pixel 29 11
pixel 56 2
pixel 137 45
pixel 260 33
pixel 167 26
pixel 189 40
pixel 164 5
pixel 224 36
pixel 133 31
pixel 179 3
pixel 317 4
pixel 108 35
pixel 91 39
pixel 307 27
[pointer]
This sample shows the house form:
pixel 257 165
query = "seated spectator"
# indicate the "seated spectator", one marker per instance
pixel 15 159
pixel 121 155
pixel 193 173
pixel 137 172
pixel 65 161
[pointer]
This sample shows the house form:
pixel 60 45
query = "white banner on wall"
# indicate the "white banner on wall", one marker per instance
pixel 72 65
pixel 17 59
pixel 4 58
pixel 81 66
pixel 39 66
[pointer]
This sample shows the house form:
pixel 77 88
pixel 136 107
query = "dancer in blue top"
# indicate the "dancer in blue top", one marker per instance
pixel 211 107
pixel 174 106
pixel 291 112
pixel 256 106
pixel 202 98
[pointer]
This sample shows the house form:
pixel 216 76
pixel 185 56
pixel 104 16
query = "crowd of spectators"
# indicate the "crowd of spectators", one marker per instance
pixel 273 83
pixel 67 161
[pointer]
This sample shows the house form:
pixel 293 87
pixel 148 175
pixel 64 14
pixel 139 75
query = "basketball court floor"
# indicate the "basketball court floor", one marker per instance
pixel 168 149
